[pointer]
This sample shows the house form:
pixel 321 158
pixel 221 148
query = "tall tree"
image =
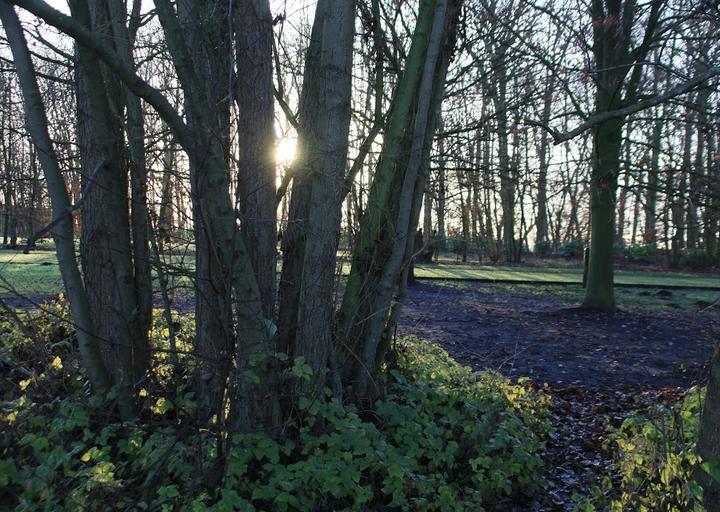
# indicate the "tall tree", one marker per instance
pixel 386 239
pixel 618 71
pixel 311 238
pixel 256 131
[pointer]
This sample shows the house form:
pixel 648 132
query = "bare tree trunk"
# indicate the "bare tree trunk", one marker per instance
pixel 622 200
pixel 464 223
pixel 165 221
pixel 105 244
pixel 712 193
pixel 635 220
pixel 441 208
pixel 256 165
pixel 677 188
pixel 7 212
pixel 477 227
pixel 543 150
pixel 709 438
pixel 652 185
pixel 391 218
pixel 226 288
pixel 696 175
pixel 311 238
pixel 427 216
pixel 139 217
pixel 618 73
pixel 507 185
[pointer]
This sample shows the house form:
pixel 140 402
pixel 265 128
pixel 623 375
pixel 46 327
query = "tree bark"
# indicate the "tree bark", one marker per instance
pixel 507 184
pixel 388 226
pixel 618 74
pixel 105 244
pixel 256 164
pixel 709 438
pixel 607 146
pixel 622 200
pixel 311 238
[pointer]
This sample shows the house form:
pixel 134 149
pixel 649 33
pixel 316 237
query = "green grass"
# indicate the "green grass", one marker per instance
pixel 564 275
pixel 37 273
pixel 626 298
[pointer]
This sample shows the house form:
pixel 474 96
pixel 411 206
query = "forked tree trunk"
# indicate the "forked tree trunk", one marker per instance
pixel 311 239
pixel 385 243
pixel 231 326
pixel 105 244
pixel 618 73
pixel 124 38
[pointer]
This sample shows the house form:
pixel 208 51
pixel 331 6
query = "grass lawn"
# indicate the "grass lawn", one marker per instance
pixel 564 275
pixel 626 298
pixel 37 273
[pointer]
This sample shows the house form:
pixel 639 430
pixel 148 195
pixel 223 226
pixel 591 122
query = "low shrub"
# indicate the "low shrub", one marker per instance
pixel 697 259
pixel 655 461
pixel 441 438
pixel 543 248
pixel 572 248
pixel 656 458
pixel 642 253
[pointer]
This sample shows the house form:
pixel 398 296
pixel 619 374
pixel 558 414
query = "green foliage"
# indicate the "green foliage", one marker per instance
pixel 441 438
pixel 655 454
pixel 697 259
pixel 543 248
pixel 572 248
pixel 642 253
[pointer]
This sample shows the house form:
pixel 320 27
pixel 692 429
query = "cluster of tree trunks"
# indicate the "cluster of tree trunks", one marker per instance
pixel 238 325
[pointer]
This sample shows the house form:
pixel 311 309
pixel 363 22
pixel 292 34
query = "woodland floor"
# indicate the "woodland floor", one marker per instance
pixel 596 366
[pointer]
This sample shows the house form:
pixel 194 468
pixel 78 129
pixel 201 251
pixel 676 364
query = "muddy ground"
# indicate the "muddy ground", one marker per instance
pixel 598 367
pixel 552 341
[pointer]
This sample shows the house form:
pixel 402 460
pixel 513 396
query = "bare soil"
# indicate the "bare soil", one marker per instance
pixel 597 367
pixel 554 342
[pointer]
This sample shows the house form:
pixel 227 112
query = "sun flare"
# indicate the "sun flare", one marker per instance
pixel 285 151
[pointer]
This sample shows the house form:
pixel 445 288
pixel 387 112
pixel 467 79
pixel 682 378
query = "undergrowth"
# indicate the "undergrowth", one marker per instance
pixel 656 461
pixel 442 438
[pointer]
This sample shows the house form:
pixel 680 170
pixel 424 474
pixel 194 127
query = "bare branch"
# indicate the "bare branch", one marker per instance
pixel 682 88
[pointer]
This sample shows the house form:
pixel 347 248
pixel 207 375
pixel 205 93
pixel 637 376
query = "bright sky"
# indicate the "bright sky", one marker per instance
pixel 61 5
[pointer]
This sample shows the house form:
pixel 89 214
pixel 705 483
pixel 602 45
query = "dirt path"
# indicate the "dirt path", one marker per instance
pixel 552 342
pixel 598 367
